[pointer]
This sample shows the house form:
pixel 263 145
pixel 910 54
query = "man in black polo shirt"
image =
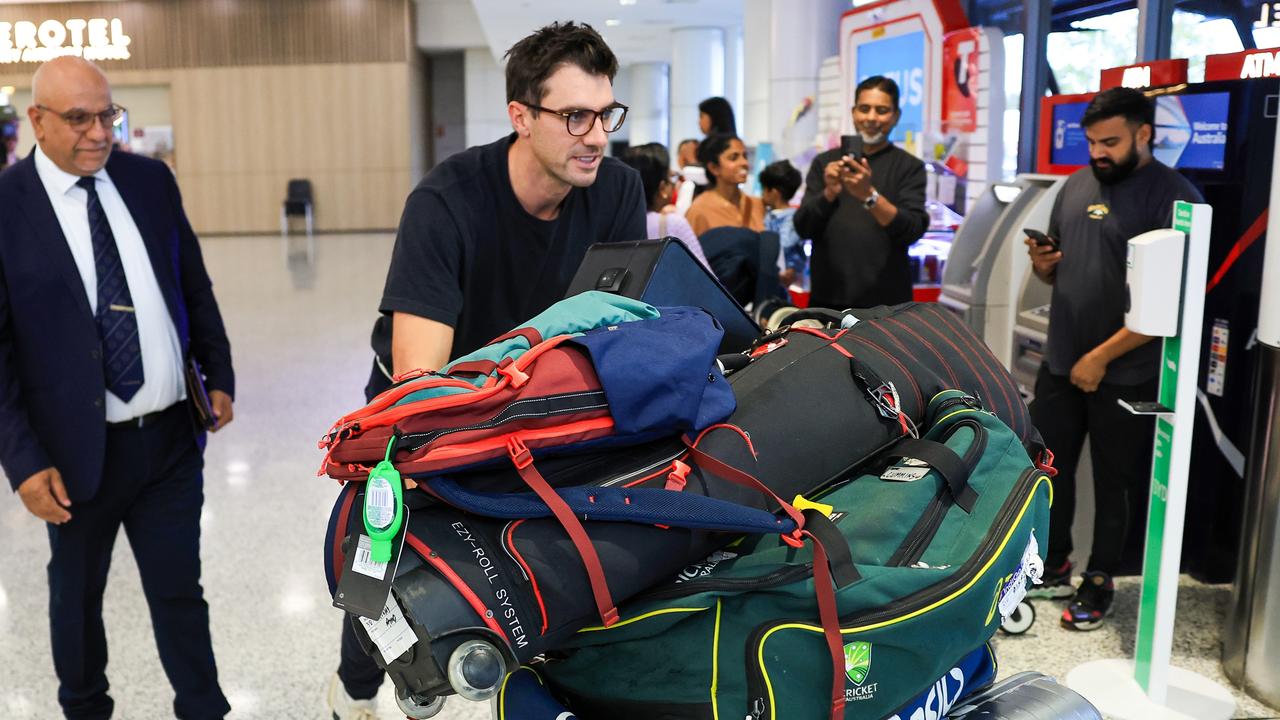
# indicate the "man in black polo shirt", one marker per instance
pixel 493 235
pixel 1093 360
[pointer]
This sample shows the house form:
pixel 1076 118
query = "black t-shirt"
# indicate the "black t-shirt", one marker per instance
pixel 1093 223
pixel 468 255
pixel 856 261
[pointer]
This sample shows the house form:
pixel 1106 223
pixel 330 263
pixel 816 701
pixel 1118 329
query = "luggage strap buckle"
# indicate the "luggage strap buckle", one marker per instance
pixel 519 452
pixel 513 374
pixel 795 538
pixel 678 477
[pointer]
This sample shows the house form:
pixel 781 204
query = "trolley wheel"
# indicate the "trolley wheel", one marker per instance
pixel 1020 620
pixel 419 707
pixel 476 670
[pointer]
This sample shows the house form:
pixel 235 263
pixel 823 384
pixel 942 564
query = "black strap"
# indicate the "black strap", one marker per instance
pixel 839 557
pixel 945 461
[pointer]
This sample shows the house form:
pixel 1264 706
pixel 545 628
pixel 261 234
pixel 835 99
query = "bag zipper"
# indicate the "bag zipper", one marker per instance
pixel 437 457
pixel 413 442
pixel 757 687
pixel 644 470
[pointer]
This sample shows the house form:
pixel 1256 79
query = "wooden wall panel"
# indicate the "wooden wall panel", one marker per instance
pixel 246 131
pixel 220 33
pixel 261 91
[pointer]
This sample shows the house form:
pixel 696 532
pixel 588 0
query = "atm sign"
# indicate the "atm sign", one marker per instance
pixel 1247 65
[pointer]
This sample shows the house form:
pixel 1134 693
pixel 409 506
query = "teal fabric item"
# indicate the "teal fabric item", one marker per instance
pixel 571 316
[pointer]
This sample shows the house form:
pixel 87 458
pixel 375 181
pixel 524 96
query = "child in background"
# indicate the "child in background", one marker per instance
pixel 651 161
pixel 779 182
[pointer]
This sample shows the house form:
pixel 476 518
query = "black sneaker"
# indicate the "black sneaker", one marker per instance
pixel 1055 584
pixel 1091 603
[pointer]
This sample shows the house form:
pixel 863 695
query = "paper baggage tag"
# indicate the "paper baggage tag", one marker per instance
pixel 390 631
pixel 909 470
pixel 365 584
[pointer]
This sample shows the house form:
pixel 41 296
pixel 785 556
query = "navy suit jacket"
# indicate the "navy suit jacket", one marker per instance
pixel 52 384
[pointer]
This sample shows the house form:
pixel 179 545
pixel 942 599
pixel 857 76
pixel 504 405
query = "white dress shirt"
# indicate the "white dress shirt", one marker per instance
pixel 161 352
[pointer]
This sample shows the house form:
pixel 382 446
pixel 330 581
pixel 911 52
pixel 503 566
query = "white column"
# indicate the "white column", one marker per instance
pixel 733 72
pixel 784 45
pixel 757 35
pixel 697 73
pixel 647 98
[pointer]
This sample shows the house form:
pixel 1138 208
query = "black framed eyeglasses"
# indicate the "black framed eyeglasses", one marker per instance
pixel 81 120
pixel 580 122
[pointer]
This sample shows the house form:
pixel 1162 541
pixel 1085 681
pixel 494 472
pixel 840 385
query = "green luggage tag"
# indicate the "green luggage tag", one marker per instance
pixel 383 508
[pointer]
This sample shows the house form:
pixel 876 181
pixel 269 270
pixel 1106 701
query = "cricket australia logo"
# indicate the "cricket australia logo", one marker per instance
pixel 857 661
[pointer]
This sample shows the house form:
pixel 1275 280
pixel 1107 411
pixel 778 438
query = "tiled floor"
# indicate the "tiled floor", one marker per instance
pixel 300 338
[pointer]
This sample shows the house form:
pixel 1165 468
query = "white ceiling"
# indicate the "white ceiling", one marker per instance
pixel 642 32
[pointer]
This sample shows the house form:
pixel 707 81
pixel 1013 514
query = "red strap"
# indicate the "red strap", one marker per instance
pixel 727 472
pixel 344 516
pixel 523 461
pixel 479 367
pixel 827 612
pixel 531 336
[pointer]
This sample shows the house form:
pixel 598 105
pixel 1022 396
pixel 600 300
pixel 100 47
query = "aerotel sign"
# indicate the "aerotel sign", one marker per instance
pixel 92 39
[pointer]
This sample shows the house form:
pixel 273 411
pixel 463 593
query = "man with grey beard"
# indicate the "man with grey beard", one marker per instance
pixel 863 213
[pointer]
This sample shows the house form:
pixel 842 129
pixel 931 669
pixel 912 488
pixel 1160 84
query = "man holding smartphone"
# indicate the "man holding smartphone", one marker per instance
pixel 863 207
pixel 1093 360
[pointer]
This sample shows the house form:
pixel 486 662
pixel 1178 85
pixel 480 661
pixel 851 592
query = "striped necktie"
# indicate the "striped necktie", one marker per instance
pixel 117 321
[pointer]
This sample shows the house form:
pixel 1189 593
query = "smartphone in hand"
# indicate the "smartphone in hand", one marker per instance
pixel 1042 239
pixel 851 146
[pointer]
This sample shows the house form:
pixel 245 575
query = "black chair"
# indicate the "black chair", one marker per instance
pixel 297 201
pixel 745 262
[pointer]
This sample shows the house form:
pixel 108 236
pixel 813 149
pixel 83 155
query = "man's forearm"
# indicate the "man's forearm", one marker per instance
pixel 418 343
pixel 1121 343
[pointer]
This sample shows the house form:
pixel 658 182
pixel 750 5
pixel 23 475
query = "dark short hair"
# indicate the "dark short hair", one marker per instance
pixel 651 161
pixel 536 57
pixel 878 82
pixel 721 114
pixel 1133 105
pixel 686 141
pixel 709 149
pixel 781 176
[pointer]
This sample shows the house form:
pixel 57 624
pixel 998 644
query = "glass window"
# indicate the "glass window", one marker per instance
pixel 1195 35
pixel 1078 56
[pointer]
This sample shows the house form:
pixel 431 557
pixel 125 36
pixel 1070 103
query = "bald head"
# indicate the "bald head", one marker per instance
pixel 56 76
pixel 68 95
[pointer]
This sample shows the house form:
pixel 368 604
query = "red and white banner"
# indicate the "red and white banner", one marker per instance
pixel 960 80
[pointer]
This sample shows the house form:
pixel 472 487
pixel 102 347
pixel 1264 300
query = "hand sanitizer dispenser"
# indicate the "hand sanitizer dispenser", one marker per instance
pixel 1153 282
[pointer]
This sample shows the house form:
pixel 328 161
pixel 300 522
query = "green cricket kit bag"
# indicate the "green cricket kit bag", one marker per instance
pixel 485 560
pixel 738 635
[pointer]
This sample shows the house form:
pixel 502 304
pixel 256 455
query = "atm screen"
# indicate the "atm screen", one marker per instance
pixel 1069 144
pixel 1191 130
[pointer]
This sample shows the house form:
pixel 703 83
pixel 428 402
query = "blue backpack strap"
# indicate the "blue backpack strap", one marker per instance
pixel 646 506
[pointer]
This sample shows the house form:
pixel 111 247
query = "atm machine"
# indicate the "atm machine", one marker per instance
pixel 988 260
pixel 1219 135
pixel 1030 331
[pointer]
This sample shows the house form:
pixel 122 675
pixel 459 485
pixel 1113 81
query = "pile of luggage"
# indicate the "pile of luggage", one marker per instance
pixel 833 522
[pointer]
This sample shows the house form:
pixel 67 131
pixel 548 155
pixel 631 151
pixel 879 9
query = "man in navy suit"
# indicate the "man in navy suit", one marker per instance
pixel 103 296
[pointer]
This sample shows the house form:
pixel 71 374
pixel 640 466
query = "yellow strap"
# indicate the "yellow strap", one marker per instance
pixel 802 504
